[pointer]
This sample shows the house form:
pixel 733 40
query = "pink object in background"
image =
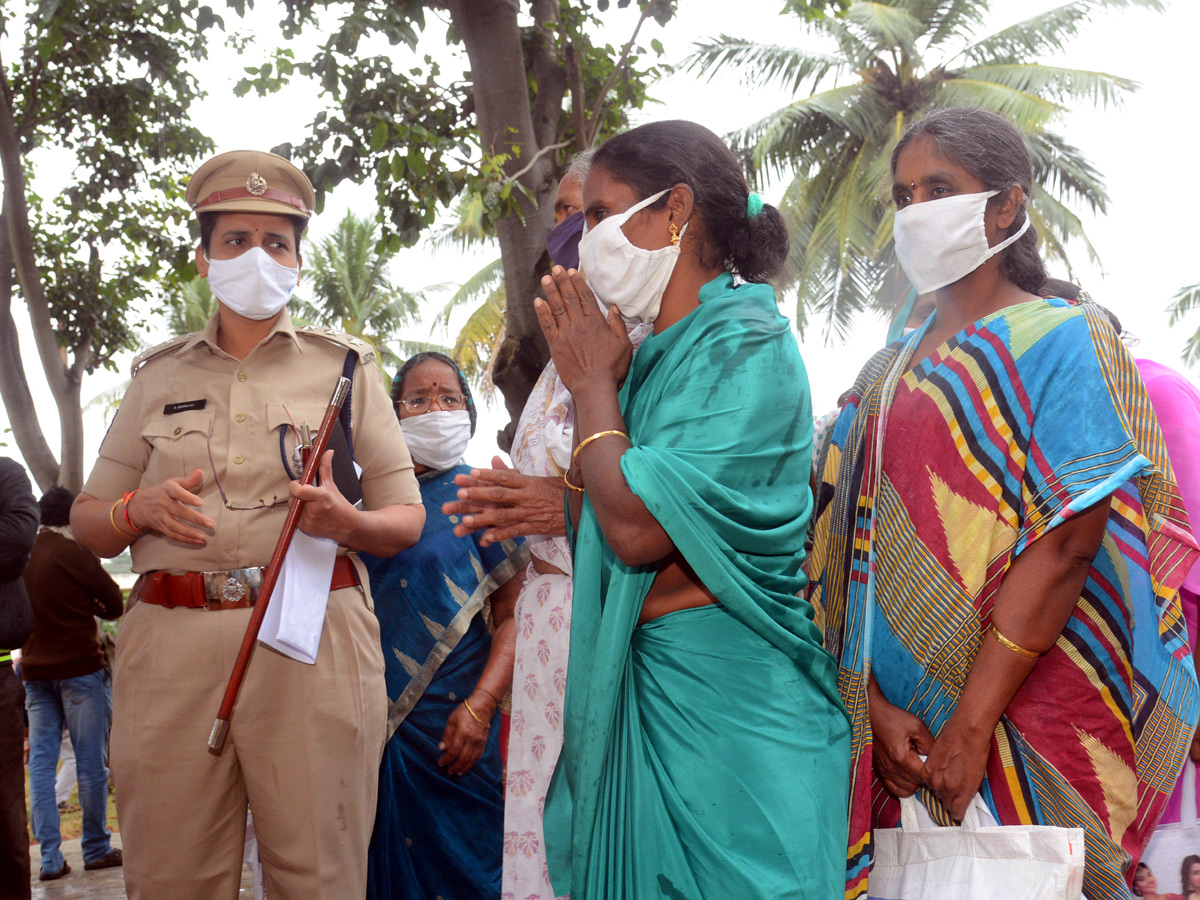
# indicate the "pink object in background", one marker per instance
pixel 1176 402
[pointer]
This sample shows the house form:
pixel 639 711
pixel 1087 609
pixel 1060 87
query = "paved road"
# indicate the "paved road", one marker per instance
pixel 103 884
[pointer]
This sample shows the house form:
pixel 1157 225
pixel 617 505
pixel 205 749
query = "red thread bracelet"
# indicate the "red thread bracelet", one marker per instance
pixel 128 521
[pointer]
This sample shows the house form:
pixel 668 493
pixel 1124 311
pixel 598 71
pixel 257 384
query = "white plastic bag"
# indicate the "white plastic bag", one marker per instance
pixel 975 861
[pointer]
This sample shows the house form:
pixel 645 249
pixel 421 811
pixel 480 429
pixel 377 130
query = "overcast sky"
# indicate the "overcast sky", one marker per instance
pixel 1144 149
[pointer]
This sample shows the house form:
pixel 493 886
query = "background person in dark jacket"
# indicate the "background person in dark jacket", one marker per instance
pixel 67 682
pixel 18 527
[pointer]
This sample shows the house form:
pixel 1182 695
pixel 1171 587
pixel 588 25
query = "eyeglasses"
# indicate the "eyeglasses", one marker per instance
pixel 263 503
pixel 448 402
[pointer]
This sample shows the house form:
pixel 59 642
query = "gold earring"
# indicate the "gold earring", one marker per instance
pixel 675 238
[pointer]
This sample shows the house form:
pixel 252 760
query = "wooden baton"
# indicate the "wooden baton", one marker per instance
pixel 216 739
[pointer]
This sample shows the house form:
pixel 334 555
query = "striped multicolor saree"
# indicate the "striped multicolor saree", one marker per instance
pixel 1022 420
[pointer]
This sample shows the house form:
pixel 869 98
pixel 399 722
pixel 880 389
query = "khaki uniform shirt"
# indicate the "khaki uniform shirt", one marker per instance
pixel 234 435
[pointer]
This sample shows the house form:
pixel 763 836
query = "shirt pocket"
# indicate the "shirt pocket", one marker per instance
pixel 285 425
pixel 178 445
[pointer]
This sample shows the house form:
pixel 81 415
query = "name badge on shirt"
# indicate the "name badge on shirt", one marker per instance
pixel 185 406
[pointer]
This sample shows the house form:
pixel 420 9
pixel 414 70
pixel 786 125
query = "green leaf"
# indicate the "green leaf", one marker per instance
pixel 379 136
pixel 417 162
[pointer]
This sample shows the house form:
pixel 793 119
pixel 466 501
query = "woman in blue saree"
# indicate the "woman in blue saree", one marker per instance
pixel 706 750
pixel 445 610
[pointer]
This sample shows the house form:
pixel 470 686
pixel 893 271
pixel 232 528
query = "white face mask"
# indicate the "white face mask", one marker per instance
pixel 437 438
pixel 940 241
pixel 252 284
pixel 628 277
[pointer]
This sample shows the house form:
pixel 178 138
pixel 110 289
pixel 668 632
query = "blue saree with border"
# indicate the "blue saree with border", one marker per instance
pixel 436 834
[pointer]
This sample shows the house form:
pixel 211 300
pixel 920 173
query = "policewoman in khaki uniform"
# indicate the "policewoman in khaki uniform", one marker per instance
pixel 195 475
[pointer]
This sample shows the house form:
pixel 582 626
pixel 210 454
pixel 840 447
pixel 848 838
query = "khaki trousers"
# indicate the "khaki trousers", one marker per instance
pixel 303 750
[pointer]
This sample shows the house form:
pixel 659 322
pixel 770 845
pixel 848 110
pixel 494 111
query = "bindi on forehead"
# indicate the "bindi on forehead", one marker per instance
pixel 429 376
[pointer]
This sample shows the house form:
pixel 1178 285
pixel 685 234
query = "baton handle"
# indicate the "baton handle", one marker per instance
pixel 216 739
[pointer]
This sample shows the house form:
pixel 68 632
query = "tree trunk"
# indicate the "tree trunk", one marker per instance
pixel 14 388
pixel 493 42
pixel 64 381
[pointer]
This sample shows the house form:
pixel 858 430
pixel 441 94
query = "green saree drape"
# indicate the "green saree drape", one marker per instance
pixel 707 752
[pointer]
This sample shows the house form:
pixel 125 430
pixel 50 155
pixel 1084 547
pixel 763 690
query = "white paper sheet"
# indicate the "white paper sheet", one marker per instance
pixel 296 613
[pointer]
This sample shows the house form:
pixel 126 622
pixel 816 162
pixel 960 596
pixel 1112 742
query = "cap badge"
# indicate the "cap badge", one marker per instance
pixel 256 184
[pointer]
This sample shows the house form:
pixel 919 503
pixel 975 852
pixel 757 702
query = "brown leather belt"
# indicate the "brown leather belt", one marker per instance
pixel 236 589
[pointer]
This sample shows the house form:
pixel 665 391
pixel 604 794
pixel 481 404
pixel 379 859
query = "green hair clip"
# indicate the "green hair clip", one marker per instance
pixel 754 205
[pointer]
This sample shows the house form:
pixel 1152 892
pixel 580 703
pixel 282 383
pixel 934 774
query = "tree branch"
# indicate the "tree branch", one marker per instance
pixel 548 73
pixel 20 235
pixel 578 108
pixel 35 84
pixel 14 387
pixel 615 73
pixel 516 176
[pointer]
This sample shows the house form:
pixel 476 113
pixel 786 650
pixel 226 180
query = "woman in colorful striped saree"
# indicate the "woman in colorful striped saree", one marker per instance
pixel 1000 543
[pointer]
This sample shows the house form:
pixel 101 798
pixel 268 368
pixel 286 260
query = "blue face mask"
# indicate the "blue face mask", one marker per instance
pixel 563 241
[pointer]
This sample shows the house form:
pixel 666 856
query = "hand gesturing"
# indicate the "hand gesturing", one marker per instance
pixel 586 346
pixel 171 508
pixel 507 503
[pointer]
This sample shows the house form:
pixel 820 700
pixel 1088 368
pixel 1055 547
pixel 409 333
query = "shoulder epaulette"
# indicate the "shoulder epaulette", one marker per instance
pixel 366 353
pixel 145 356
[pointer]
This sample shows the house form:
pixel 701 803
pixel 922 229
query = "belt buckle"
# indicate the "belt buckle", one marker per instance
pixel 234 589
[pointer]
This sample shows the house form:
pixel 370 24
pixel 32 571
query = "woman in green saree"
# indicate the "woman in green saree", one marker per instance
pixel 706 749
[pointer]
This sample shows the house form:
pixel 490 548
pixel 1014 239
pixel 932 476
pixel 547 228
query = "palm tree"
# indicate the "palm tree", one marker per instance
pixel 351 290
pixel 1186 301
pixel 482 334
pixel 195 307
pixel 893 60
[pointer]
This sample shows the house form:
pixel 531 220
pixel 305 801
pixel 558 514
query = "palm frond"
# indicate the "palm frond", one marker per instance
pixel 853 42
pixel 1056 225
pixel 760 65
pixel 789 137
pixel 1028 112
pixel 846 222
pixel 830 279
pixel 948 19
pixel 1054 82
pixel 1191 350
pixel 885 25
pixel 192 309
pixel 407 349
pixel 1046 34
pixel 1062 170
pixel 478 340
pixel 1187 301
pixel 466 230
pixel 482 284
pixel 108 401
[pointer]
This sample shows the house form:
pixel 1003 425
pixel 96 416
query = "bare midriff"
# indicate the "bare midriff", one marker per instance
pixel 675 587
pixel 544 568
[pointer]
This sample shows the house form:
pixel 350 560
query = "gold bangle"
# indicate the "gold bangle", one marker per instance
pixel 1020 651
pixel 596 436
pixel 467 707
pixel 112 517
pixel 567 482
